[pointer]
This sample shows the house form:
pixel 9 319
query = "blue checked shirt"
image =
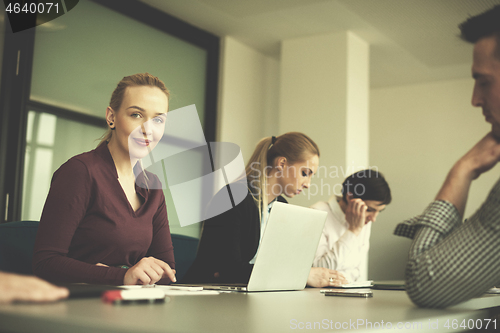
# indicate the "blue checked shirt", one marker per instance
pixel 450 261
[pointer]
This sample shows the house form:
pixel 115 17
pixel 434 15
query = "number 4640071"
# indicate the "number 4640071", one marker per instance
pixel 471 324
pixel 32 8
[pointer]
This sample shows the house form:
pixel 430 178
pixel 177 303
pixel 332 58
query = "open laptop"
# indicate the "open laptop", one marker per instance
pixel 286 251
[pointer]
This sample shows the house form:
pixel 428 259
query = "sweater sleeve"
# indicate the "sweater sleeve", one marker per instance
pixel 450 262
pixel 66 205
pixel 161 245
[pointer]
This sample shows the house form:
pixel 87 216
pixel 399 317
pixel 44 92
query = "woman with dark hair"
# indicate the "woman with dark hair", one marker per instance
pixel 345 240
pixel 229 242
pixel 101 224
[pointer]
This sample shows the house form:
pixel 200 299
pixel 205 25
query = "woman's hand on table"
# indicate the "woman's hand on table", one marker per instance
pixel 148 271
pixel 324 277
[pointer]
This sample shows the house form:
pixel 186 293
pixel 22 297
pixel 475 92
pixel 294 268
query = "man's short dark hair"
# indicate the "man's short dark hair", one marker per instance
pixel 482 25
pixel 367 185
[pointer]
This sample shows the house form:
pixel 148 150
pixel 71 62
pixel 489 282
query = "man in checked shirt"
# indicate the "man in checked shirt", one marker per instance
pixel 450 262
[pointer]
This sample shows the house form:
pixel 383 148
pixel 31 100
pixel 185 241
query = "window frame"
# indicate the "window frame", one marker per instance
pixel 15 100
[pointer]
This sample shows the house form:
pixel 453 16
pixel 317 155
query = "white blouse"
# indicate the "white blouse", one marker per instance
pixel 339 248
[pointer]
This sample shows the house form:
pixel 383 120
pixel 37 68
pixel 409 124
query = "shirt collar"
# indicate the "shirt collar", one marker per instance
pixel 336 209
pixel 105 154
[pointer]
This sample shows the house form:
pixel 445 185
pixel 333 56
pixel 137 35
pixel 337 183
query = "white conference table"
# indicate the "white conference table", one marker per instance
pixel 245 312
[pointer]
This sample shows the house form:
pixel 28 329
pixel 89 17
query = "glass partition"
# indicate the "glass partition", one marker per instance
pixel 78 60
pixel 50 141
pixel 80 57
pixel 3 17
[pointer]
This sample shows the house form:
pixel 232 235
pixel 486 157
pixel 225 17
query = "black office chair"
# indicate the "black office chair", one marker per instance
pixel 185 248
pixel 17 240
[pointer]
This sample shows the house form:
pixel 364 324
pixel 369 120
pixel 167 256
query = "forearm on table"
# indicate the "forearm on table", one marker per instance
pixel 440 218
pixel 461 266
pixel 61 269
pixel 452 262
pixel 429 236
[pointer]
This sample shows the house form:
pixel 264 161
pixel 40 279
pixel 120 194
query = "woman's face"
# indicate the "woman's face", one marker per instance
pixel 140 121
pixel 292 179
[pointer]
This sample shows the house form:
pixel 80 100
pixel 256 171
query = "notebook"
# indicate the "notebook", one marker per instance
pixel 286 251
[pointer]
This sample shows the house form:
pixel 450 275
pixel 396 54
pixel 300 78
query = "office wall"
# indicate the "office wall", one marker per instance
pixel 324 93
pixel 248 101
pixel 417 132
pixel 314 90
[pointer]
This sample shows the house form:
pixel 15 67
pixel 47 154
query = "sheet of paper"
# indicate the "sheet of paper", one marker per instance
pixel 357 284
pixel 174 290
pixel 190 293
pixel 184 288
pixel 493 291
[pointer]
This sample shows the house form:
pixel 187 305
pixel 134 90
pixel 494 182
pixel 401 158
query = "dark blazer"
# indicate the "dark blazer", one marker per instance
pixel 228 242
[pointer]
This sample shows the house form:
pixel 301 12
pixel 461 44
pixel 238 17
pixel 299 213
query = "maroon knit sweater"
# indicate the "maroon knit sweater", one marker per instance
pixel 87 219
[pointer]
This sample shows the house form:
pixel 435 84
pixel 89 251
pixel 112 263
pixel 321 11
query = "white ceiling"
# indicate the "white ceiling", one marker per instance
pixel 411 40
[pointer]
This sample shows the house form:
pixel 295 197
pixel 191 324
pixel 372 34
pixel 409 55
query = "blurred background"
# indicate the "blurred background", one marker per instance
pixel 384 84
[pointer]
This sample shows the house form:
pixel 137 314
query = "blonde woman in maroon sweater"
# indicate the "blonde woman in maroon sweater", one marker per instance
pixel 101 224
